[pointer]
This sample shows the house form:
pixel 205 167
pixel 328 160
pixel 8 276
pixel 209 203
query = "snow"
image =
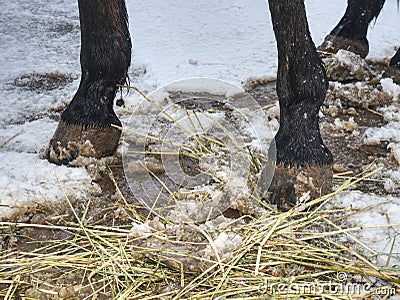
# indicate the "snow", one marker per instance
pixel 376 211
pixel 204 85
pixel 391 131
pixel 219 36
pixel 140 230
pixel 349 125
pixel 390 88
pixel 36 181
pixel 230 40
pixel 224 244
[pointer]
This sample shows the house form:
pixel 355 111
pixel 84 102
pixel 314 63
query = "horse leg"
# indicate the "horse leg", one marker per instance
pixel 395 61
pixel 303 161
pixel 351 31
pixel 85 125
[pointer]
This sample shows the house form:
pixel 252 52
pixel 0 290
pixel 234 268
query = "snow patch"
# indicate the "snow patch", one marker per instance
pixel 345 66
pixel 389 87
pixel 225 244
pixel 388 133
pixel 376 214
pixel 140 230
pixel 38 181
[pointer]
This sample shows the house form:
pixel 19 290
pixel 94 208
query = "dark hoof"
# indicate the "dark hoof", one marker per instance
pixel 70 141
pixel 392 72
pixel 290 183
pixel 395 61
pixel 333 44
pixel 60 154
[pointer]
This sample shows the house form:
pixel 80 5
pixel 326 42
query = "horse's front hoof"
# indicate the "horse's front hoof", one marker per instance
pixel 293 182
pixel 60 154
pixel 71 140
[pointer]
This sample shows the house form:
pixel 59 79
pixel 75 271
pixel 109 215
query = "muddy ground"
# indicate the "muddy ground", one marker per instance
pixel 343 138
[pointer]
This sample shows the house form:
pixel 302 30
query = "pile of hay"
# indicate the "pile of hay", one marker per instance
pixel 300 253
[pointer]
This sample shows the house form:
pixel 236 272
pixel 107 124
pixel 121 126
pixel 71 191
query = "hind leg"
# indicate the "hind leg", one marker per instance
pixel 303 161
pixel 351 31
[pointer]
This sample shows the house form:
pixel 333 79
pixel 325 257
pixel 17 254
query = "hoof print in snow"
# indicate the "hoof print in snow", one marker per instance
pixel 293 182
pixel 70 141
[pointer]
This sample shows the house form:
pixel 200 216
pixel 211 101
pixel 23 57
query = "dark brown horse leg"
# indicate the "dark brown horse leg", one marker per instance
pixel 395 61
pixel 351 31
pixel 303 161
pixel 85 125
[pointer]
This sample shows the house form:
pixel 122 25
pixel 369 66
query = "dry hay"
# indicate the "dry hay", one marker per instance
pixel 299 253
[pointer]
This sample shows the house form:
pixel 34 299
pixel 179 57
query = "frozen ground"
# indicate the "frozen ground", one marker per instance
pixel 230 40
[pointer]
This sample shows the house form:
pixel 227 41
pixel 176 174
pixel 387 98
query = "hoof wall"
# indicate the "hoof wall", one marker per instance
pixel 70 141
pixel 290 183
pixel 333 44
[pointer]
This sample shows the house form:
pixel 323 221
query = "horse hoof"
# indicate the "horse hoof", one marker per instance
pixel 333 44
pixel 392 72
pixel 292 182
pixel 71 140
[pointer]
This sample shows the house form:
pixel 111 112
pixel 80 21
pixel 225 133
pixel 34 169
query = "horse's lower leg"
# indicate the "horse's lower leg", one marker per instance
pixel 303 161
pixel 395 61
pixel 351 31
pixel 85 125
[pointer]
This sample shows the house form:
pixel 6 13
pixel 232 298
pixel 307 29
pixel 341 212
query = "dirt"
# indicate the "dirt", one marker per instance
pixel 110 209
pixel 41 82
